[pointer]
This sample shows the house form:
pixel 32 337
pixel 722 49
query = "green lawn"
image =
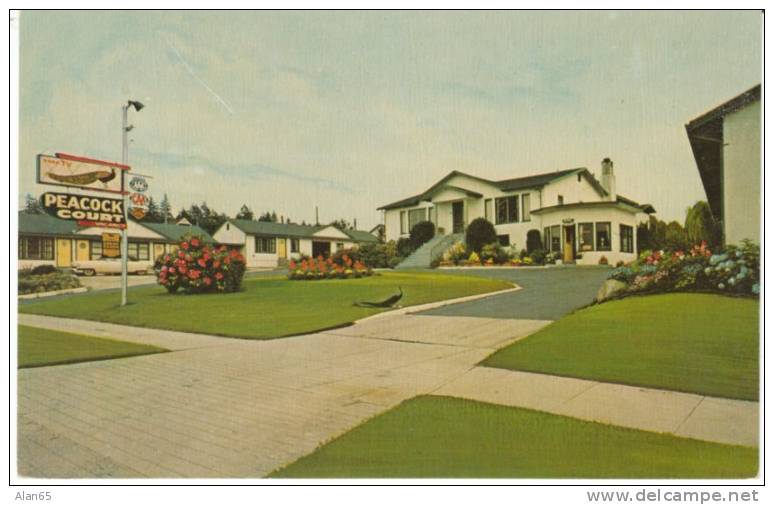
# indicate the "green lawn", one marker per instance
pixel 41 347
pixel 434 436
pixel 266 308
pixel 698 343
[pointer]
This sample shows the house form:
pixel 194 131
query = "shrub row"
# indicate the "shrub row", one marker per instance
pixel 51 279
pixel 340 266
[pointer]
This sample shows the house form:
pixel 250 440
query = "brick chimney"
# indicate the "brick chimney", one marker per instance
pixel 608 179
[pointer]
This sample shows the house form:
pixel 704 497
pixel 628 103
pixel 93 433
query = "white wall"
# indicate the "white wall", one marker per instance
pixel 571 189
pixel 741 174
pixel 229 234
pixel 613 214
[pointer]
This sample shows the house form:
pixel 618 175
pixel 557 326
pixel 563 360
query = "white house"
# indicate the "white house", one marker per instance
pixel 726 143
pixel 577 216
pixel 267 244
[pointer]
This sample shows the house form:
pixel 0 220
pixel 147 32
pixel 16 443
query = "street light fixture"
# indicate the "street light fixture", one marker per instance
pixel 125 129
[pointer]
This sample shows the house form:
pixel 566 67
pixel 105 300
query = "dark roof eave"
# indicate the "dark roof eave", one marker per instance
pixel 647 208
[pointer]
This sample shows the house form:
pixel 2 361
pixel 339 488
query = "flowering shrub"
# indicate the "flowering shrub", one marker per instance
pixel 737 270
pixel 340 266
pixel 200 268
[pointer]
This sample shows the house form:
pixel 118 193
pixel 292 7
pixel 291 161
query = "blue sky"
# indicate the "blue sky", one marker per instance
pixel 348 110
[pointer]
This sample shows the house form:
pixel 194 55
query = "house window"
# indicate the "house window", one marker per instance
pixel 556 238
pixel 560 200
pixel 96 250
pixel 139 251
pixel 488 210
pixel 526 211
pixel 586 236
pixel 603 236
pixel 507 209
pixel 403 222
pixel 339 246
pixel 504 240
pixel 416 216
pixel 294 245
pixel 36 248
pixel 265 245
pixel 627 238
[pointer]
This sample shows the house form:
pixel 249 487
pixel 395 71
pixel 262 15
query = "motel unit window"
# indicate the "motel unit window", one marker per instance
pixel 627 238
pixel 95 251
pixel 36 248
pixel 294 245
pixel 139 251
pixel 266 245
pixel 603 236
pixel 507 209
pixel 586 236
pixel 403 222
pixel 416 216
pixel 526 211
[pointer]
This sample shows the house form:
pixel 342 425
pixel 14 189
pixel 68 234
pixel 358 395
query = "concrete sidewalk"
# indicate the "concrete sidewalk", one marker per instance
pixel 221 407
pixel 686 415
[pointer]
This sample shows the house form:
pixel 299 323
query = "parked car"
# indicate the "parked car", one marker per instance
pixel 110 266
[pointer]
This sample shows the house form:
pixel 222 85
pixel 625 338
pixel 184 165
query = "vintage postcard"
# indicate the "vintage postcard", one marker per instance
pixel 285 245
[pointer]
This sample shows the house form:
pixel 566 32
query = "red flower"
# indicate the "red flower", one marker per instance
pixel 184 245
pixel 216 264
pixel 218 275
pixel 188 258
pixel 182 270
pixel 194 274
pixel 202 263
pixel 207 281
pixel 194 242
pixel 180 254
pixel 226 260
pixel 172 270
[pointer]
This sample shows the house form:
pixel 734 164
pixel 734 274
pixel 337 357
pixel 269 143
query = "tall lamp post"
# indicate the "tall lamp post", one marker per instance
pixel 125 128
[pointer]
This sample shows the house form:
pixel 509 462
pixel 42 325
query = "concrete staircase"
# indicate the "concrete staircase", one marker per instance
pixel 422 257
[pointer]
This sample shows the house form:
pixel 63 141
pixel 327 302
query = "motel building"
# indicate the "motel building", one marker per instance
pixel 268 245
pixel 47 240
pixel 578 217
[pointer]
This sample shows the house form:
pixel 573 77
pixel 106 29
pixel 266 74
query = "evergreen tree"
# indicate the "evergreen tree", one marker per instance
pixel 165 209
pixel 268 217
pixel 153 215
pixel 32 205
pixel 245 213
pixel 700 225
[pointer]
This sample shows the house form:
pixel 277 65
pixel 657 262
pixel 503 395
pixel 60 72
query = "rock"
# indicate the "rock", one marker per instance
pixel 610 289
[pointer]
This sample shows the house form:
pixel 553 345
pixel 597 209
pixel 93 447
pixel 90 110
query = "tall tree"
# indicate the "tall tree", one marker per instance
pixel 268 217
pixel 32 205
pixel 245 213
pixel 165 209
pixel 700 225
pixel 341 224
pixel 153 215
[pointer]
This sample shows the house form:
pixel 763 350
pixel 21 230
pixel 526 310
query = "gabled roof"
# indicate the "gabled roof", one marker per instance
pixel 705 134
pixel 174 232
pixel 44 224
pixel 528 182
pixel 292 230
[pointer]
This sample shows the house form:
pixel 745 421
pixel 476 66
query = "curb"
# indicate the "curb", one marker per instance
pixel 31 296
pixel 433 305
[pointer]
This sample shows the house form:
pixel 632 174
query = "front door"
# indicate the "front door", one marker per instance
pixel 82 250
pixel 281 248
pixel 63 253
pixel 458 217
pixel 569 244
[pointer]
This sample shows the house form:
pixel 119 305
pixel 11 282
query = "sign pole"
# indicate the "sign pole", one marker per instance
pixel 124 233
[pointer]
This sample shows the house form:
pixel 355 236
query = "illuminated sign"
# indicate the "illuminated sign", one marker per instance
pixel 79 172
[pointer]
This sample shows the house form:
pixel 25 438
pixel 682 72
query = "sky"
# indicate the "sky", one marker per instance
pixel 348 111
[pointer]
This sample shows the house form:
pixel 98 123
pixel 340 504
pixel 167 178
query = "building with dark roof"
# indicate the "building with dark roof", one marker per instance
pixel 47 240
pixel 726 143
pixel 267 244
pixel 578 217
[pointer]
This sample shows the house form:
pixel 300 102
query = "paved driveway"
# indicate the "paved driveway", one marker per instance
pixel 548 293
